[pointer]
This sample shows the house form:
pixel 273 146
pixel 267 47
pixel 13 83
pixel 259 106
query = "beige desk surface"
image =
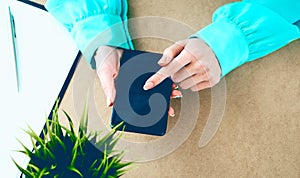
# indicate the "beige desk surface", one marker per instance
pixel 260 132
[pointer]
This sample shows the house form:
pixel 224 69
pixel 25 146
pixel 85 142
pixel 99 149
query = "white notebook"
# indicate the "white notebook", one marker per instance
pixel 46 53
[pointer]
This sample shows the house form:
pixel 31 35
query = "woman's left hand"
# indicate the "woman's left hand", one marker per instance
pixel 191 63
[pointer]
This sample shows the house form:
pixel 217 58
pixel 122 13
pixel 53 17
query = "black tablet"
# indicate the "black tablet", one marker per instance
pixel 141 111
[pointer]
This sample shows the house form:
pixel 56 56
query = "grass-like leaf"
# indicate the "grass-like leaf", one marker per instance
pixel 42 173
pixel 33 135
pixel 84 121
pixel 24 171
pixel 76 171
pixel 70 121
pixel 26 150
pixel 35 168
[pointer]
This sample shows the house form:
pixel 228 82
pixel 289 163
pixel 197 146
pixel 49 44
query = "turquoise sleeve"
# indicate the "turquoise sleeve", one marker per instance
pixel 93 23
pixel 244 31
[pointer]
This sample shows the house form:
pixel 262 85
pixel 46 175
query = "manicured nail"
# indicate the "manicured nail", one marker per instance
pixel 177 96
pixel 163 60
pixel 148 85
pixel 109 103
pixel 174 86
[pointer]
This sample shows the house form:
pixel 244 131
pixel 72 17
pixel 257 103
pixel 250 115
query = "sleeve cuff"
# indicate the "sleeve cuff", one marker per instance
pixel 228 43
pixel 93 23
pixel 242 32
pixel 100 30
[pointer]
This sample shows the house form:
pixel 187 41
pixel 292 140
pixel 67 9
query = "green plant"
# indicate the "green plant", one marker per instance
pixel 62 152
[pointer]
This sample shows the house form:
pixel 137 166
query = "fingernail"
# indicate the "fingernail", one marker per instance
pixel 148 85
pixel 172 115
pixel 177 96
pixel 174 86
pixel 109 103
pixel 163 60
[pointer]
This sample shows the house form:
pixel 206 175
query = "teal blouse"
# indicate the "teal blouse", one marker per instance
pixel 240 32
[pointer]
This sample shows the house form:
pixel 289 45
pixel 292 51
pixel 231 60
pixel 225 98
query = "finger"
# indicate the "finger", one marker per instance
pixel 201 86
pixel 195 67
pixel 192 81
pixel 175 65
pixel 107 81
pixel 171 112
pixel 174 86
pixel 176 94
pixel 171 52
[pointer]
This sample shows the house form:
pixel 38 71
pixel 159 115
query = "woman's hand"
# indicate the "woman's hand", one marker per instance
pixel 191 63
pixel 108 63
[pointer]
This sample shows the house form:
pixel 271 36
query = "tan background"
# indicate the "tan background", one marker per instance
pixel 260 132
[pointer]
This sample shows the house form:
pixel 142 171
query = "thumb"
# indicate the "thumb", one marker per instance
pixel 107 81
